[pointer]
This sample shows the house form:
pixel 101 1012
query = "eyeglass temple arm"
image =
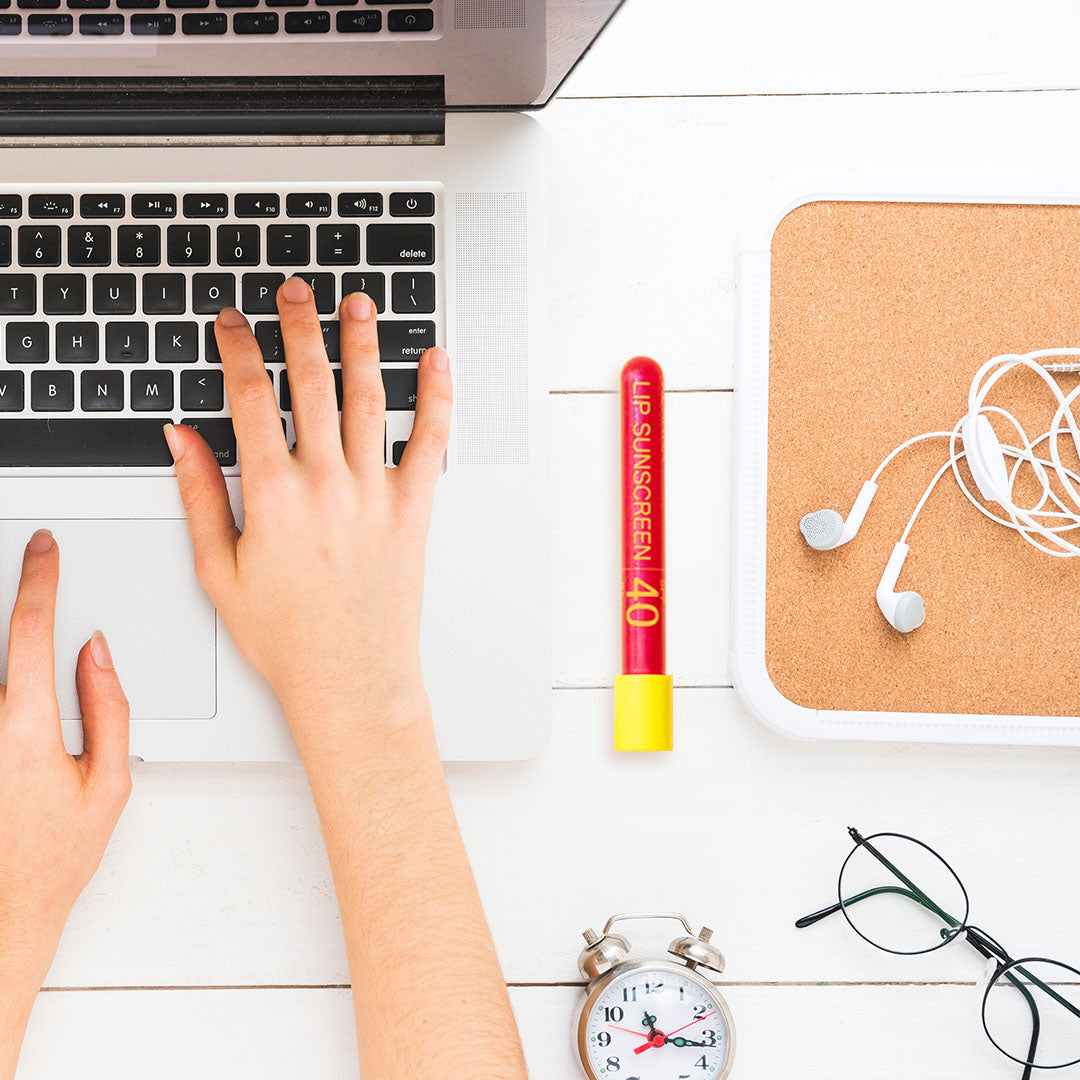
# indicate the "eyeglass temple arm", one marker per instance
pixel 832 909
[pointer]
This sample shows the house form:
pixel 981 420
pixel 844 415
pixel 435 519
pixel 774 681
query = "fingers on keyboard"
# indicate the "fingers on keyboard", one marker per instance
pixel 364 395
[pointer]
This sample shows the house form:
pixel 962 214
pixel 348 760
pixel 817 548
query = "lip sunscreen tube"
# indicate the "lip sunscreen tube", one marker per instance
pixel 643 693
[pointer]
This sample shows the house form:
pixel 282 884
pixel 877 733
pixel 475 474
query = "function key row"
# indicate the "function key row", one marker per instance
pixel 245 204
pixel 167 294
pixel 210 23
pixel 236 245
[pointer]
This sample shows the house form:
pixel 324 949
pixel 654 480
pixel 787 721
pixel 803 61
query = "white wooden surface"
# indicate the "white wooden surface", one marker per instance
pixel 209 943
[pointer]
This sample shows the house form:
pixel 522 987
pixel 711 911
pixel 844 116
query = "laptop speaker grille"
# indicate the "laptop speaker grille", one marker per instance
pixel 489 14
pixel 491 361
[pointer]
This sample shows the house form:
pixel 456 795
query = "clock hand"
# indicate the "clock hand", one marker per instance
pixel 667 1038
pixel 629 1031
pixel 697 1020
pixel 650 1023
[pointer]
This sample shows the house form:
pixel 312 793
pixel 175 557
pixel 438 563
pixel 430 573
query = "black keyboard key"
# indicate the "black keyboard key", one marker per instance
pixel 238 245
pixel 18 294
pixel 257 204
pixel 39 245
pixel 286 396
pixel 10 25
pixel 202 391
pixel 259 293
pixel 213 22
pixel 164 294
pixel 372 285
pixel 359 22
pixel 400 385
pixel 410 22
pixel 102 391
pixel 52 391
pixel 51 206
pixel 114 294
pixel 220 436
pixel 397 452
pixel 155 24
pixel 105 24
pixel 151 391
pixel 268 335
pixel 360 204
pixel 407 245
pixel 142 4
pixel 87 4
pixel 77 343
pixel 102 206
pixel 176 342
pixel 413 294
pixel 307 22
pixel 5 245
pixel 11 206
pixel 412 204
pixel 38 5
pixel 93 442
pixel 336 3
pixel 138 245
pixel 11 391
pixel 64 294
pixel 322 285
pixel 236 4
pixel 212 292
pixel 153 206
pixel 405 340
pixel 213 353
pixel 288 245
pixel 337 245
pixel 297 204
pixel 89 245
pixel 286 3
pixel 27 343
pixel 331 332
pixel 255 22
pixel 189 245
pixel 50 26
pixel 206 206
pixel 127 342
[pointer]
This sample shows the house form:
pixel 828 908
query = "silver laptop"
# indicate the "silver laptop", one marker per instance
pixel 364 144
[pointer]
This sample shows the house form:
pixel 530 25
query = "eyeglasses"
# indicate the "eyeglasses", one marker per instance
pixel 1030 1007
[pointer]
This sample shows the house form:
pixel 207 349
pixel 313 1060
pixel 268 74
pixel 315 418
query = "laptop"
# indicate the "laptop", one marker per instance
pixel 160 159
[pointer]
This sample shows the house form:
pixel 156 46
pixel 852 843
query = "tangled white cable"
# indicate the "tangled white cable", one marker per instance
pixel 1043 520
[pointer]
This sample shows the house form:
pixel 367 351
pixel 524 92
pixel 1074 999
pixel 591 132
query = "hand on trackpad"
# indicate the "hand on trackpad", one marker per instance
pixel 132 579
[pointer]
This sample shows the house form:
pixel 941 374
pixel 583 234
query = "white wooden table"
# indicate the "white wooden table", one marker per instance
pixel 209 944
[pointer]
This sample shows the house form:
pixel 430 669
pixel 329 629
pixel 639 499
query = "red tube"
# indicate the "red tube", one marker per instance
pixel 643 618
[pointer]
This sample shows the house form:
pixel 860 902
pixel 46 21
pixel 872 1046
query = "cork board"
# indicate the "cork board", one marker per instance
pixel 880 315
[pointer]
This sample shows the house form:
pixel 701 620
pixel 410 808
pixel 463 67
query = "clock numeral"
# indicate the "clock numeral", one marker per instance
pixel 700 1011
pixel 614 1015
pixel 613 1064
pixel 653 988
pixel 710 1037
pixel 604 1039
pixel 701 1063
pixel 629 993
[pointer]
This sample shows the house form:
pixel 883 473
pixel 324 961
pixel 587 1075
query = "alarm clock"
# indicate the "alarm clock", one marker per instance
pixel 653 1019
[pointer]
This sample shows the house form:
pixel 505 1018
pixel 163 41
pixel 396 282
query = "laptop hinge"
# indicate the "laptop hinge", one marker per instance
pixel 379 108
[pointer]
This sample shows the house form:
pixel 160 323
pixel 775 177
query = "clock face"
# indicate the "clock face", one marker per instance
pixel 657 1024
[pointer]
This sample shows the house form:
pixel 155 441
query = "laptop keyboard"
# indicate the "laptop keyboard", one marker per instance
pixel 108 299
pixel 374 19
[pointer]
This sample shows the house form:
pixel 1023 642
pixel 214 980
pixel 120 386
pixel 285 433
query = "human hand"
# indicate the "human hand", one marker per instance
pixel 322 590
pixel 56 812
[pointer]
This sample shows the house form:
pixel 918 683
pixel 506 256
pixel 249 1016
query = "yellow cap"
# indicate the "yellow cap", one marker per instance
pixel 643 712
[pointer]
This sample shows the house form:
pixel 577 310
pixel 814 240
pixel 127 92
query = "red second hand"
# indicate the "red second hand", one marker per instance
pixel 649 1045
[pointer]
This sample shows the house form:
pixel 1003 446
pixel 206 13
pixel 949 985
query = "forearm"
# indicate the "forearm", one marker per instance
pixel 427 987
pixel 21 976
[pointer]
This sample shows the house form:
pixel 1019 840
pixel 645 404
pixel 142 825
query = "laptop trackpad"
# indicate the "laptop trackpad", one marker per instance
pixel 134 581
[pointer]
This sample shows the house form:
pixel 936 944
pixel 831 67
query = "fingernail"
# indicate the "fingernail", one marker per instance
pixel 231 317
pixel 175 441
pixel 295 290
pixel 99 650
pixel 439 360
pixel 41 541
pixel 360 307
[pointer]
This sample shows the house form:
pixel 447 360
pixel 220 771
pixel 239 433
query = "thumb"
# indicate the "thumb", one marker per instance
pixel 206 503
pixel 105 715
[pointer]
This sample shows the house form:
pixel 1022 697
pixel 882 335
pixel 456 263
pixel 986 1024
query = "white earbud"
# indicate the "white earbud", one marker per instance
pixel 903 611
pixel 824 530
